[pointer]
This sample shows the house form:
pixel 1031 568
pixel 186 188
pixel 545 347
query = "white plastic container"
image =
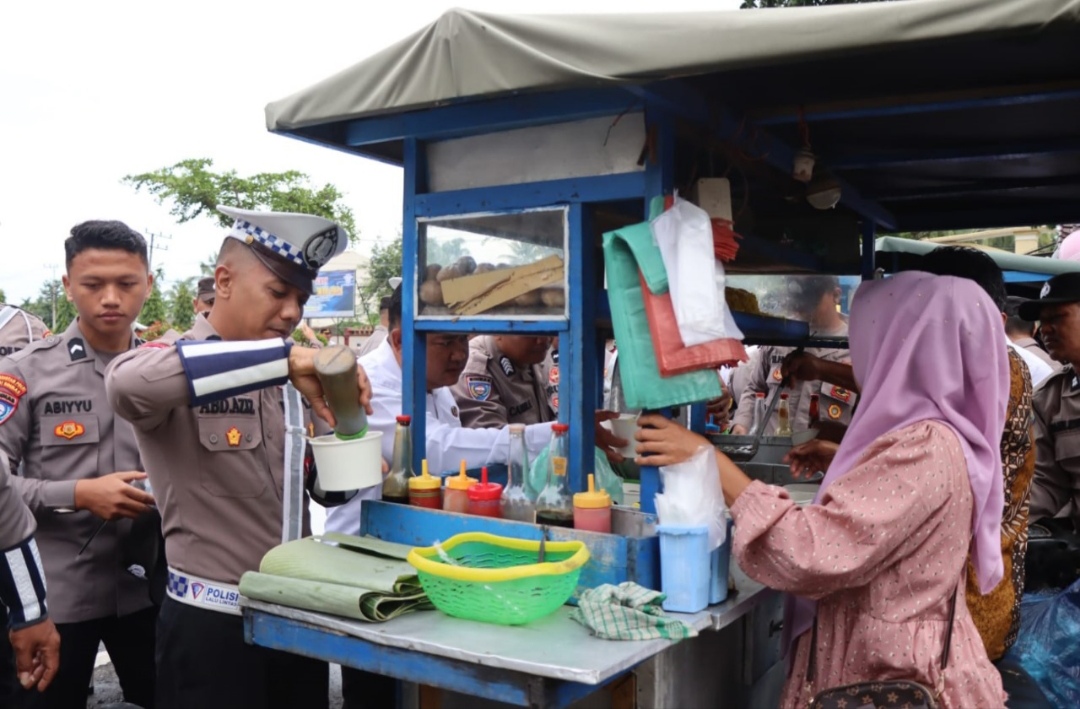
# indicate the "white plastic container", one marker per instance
pixel 348 465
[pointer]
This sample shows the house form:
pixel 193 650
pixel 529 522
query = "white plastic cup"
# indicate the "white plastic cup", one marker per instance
pixel 348 465
pixel 625 427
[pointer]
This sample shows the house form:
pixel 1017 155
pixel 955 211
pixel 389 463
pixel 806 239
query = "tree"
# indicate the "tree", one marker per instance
pixel 3 296
pixel 52 299
pixel 754 4
pixel 206 268
pixel 155 309
pixel 181 308
pixel 385 264
pixel 193 188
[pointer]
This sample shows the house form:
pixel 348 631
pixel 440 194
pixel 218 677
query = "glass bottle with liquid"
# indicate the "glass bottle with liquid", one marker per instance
pixel 554 504
pixel 759 413
pixel 783 416
pixel 396 486
pixel 515 501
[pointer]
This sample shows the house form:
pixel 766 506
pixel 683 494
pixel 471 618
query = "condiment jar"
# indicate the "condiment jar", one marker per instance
pixel 456 497
pixel 485 497
pixel 592 509
pixel 425 490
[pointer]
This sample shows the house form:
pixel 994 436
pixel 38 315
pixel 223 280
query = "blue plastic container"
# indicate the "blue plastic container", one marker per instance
pixel 720 561
pixel 685 571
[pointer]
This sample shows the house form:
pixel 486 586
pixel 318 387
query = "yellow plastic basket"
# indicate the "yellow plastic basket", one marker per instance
pixel 496 579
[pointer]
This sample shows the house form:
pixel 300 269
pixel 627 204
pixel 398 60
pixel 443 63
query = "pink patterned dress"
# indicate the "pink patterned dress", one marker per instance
pixel 881 554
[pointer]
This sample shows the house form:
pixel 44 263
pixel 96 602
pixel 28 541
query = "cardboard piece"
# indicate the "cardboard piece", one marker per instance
pixel 472 295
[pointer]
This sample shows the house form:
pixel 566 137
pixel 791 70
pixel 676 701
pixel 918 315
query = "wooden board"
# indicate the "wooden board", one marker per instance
pixel 472 295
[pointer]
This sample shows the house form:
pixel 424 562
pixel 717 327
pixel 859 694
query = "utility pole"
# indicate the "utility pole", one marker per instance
pixel 154 239
pixel 52 293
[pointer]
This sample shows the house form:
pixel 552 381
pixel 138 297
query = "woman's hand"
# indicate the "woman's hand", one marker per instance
pixel 664 442
pixel 809 458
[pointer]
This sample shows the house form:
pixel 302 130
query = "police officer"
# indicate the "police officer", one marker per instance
pixel 18 329
pixel 508 379
pixel 204 296
pixel 1056 488
pixel 816 298
pixel 220 421
pixel 79 459
pixel 22 593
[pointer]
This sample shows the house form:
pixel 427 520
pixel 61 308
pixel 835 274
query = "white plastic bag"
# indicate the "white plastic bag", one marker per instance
pixel 692 496
pixel 696 278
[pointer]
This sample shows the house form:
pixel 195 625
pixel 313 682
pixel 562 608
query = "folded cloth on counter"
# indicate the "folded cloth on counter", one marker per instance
pixel 355 577
pixel 628 612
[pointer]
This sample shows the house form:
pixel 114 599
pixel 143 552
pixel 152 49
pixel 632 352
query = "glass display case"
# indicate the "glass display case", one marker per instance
pixel 491 266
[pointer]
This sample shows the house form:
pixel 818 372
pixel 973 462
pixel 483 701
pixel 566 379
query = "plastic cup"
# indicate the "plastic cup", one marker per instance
pixel 625 427
pixel 348 464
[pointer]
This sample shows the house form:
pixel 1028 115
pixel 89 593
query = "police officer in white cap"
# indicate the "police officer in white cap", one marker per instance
pixel 220 421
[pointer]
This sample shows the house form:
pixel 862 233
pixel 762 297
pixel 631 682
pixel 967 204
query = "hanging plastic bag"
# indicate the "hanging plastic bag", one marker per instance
pixel 1047 646
pixel 696 279
pixel 692 496
pixel 604 476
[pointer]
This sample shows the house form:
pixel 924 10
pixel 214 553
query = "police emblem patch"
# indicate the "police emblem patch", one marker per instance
pixel 777 375
pixel 835 412
pixel 1045 290
pixel 233 436
pixel 197 589
pixel 12 389
pixel 454 411
pixel 319 248
pixel 69 430
pixel 479 387
pixel 553 375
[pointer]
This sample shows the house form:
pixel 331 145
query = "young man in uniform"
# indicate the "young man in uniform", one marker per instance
pixel 204 297
pixel 815 298
pixel 1056 489
pixel 31 634
pixel 223 440
pixel 508 379
pixel 79 460
pixel 1022 334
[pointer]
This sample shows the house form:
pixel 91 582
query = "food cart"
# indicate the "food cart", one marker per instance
pixel 523 135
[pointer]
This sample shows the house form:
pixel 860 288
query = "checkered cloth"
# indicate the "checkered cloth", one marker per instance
pixel 628 612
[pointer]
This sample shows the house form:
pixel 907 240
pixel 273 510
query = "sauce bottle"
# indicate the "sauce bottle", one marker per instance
pixel 554 505
pixel 783 417
pixel 515 503
pixel 456 497
pixel 759 413
pixel 425 490
pixel 484 497
pixel 592 509
pixel 396 486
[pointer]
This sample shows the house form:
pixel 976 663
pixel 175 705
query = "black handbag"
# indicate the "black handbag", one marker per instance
pixel 908 694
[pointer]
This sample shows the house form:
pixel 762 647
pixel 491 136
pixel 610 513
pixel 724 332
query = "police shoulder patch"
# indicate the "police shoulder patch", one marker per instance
pixel 12 390
pixel 479 387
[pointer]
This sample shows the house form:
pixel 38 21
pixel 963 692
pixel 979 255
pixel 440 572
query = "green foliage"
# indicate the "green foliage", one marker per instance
pixel 155 310
pixel 385 264
pixel 445 251
pixel 192 188
pixel 3 296
pixel 52 292
pixel 181 305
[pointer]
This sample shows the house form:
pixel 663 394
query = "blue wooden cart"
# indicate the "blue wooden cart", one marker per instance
pixel 545 132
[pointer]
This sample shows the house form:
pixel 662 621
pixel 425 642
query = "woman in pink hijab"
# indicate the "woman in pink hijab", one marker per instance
pixel 915 484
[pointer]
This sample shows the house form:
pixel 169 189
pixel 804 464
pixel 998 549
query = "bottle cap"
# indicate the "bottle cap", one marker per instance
pixel 761 395
pixel 593 499
pixel 784 396
pixel 560 427
pixel 404 420
pixel 517 428
pixel 424 481
pixel 461 481
pixel 483 490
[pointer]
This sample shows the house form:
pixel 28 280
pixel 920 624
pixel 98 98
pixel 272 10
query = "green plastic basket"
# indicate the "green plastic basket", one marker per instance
pixel 496 579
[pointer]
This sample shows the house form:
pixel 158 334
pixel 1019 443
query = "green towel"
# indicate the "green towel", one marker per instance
pixel 628 612
pixel 362 578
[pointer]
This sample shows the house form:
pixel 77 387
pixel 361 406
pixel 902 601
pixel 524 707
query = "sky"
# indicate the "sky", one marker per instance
pixel 93 91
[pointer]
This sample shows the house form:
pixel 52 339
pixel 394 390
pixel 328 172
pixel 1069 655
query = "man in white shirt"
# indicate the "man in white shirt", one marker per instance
pixel 447 442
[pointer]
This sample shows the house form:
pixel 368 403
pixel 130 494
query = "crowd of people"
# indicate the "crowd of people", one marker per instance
pixel 139 481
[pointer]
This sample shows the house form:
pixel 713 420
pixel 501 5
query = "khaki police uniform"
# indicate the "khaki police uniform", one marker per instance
pixel 222 434
pixel 835 404
pixel 494 392
pixel 1056 488
pixel 56 420
pixel 18 329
